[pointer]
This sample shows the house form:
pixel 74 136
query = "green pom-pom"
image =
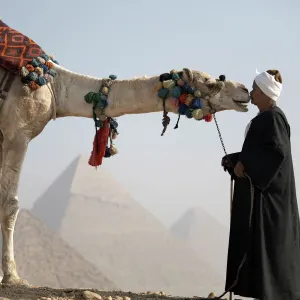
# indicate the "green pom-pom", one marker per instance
pixel 163 93
pixel 89 97
pixel 189 113
pixel 112 77
pixel 175 76
pixel 35 63
pixel 176 91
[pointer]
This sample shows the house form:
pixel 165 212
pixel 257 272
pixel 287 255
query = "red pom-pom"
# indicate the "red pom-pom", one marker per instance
pixel 208 118
pixel 182 98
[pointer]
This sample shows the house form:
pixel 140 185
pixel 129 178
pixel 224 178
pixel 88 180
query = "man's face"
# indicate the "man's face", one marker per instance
pixel 256 95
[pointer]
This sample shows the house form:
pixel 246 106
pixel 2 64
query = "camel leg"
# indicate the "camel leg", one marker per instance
pixel 13 153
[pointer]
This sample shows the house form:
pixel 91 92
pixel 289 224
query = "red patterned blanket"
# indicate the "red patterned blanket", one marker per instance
pixel 16 49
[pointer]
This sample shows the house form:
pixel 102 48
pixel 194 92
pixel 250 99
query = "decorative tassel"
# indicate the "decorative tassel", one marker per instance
pixel 99 145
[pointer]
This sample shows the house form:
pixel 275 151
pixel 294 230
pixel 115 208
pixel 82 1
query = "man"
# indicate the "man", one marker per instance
pixel 264 243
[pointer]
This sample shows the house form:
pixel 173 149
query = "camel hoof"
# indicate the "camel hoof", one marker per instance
pixel 13 280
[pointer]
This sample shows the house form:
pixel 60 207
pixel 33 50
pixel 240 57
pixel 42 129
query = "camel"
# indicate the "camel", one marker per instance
pixel 24 114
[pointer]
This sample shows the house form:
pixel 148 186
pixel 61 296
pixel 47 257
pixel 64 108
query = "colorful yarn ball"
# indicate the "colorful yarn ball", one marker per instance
pixel 45 68
pixel 163 93
pixel 41 81
pixel 39 70
pixel 197 93
pixel 175 76
pixel 51 72
pixel 105 90
pixel 188 114
pixel 164 77
pixel 35 62
pixel 208 118
pixel 191 90
pixel 197 114
pixel 32 76
pixel 24 72
pixel 107 152
pixel 168 84
pixel 107 82
pixel 113 150
pixel 45 57
pixel 180 82
pixel 33 85
pixel 49 64
pixel 189 99
pixel 185 88
pixel 173 71
pixel 48 77
pixel 176 91
pixel 196 103
pixel 30 68
pixel 182 109
pixel 41 60
pixel 182 98
pixel 112 77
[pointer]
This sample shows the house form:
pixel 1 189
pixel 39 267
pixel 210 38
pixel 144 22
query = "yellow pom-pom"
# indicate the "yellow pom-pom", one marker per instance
pixel 197 93
pixel 173 71
pixel 113 150
pixel 189 99
pixel 39 70
pixel 105 90
pixel 168 84
pixel 197 114
pixel 212 295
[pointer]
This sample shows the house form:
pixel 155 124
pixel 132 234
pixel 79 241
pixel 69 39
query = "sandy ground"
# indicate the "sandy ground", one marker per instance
pixel 8 292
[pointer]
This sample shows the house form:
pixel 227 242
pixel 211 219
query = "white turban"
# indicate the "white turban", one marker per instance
pixel 268 85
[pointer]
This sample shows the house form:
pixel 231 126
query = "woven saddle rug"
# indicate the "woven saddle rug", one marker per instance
pixel 20 55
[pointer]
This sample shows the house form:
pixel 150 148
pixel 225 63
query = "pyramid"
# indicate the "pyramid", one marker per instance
pixel 44 259
pixel 206 236
pixel 101 220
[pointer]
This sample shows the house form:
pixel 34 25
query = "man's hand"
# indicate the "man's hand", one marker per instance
pixel 239 170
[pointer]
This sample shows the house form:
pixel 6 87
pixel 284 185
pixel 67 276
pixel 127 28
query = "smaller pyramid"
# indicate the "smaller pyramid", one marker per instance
pixel 205 235
pixel 44 259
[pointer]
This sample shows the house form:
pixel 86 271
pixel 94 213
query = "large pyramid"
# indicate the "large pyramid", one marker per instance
pixel 207 237
pixel 44 259
pixel 99 218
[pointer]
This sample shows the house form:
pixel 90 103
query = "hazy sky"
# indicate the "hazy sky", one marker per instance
pixel 166 174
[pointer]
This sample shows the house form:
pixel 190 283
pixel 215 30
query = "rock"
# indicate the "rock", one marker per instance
pixel 91 296
pixel 118 298
pixel 126 298
pixel 109 298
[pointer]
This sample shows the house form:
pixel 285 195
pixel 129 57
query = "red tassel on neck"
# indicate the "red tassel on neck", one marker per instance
pixel 99 145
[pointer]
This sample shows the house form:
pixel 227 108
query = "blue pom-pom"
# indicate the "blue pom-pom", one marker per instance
pixel 182 109
pixel 191 90
pixel 41 81
pixel 185 88
pixel 112 77
pixel 196 103
pixel 51 72
pixel 175 76
pixel 107 152
pixel 35 62
pixel 176 91
pixel 45 57
pixel 163 93
pixel 32 76
pixel 44 67
pixel 103 97
pixel 188 113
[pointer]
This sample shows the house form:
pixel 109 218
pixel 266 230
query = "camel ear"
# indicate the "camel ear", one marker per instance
pixel 187 74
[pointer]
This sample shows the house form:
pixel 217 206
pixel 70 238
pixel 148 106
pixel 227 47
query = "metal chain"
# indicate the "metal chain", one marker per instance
pixel 220 135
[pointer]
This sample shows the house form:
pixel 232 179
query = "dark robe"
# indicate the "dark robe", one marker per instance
pixel 272 242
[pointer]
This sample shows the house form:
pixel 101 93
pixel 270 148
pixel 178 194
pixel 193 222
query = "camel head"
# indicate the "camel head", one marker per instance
pixel 221 94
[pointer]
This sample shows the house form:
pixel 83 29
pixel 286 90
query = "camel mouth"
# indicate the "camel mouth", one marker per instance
pixel 241 105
